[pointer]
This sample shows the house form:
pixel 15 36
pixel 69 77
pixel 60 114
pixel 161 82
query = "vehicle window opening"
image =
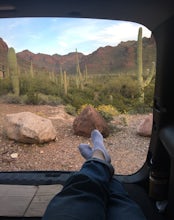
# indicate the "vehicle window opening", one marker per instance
pixel 56 67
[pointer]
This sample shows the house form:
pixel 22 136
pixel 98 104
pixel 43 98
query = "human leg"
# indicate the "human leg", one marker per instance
pixel 120 205
pixel 85 195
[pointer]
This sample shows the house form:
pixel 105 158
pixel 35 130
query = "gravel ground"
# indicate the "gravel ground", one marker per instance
pixel 128 150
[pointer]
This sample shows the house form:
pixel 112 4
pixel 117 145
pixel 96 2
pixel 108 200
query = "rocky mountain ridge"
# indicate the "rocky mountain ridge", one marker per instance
pixel 108 59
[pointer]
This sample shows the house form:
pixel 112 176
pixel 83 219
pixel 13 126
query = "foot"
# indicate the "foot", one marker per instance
pixel 98 147
pixel 86 151
pixel 97 140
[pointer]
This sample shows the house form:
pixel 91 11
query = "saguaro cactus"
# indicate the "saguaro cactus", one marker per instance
pixel 79 77
pixel 141 82
pixel 65 83
pixel 31 68
pixel 86 73
pixel 61 78
pixel 13 70
pixel 140 66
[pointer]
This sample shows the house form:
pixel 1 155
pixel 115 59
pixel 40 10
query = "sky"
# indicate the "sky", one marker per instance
pixel 65 35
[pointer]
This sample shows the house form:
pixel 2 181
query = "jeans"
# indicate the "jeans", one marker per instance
pixel 93 194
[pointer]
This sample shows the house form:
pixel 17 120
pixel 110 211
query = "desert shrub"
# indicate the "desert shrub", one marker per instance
pixel 11 98
pixel 40 99
pixel 23 99
pixel 77 98
pixel 108 108
pixel 82 107
pixel 54 100
pixel 124 120
pixel 39 84
pixel 138 108
pixel 5 86
pixel 49 100
pixel 107 111
pixel 70 109
pixel 121 103
pixel 32 98
pixel 149 93
pixel 47 87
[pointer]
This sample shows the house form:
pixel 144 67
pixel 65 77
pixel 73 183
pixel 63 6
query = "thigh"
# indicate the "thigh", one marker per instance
pixel 121 206
pixel 84 196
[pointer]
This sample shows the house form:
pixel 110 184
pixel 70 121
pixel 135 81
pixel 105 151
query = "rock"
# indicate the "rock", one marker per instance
pixel 14 155
pixel 88 120
pixel 27 127
pixel 145 127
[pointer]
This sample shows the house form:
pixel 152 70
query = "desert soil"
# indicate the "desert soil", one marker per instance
pixel 127 149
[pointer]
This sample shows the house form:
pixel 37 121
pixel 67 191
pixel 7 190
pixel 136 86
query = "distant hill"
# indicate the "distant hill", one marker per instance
pixel 3 53
pixel 118 59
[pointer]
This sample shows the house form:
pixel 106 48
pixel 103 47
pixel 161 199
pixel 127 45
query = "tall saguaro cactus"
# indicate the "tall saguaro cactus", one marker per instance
pixel 140 66
pixel 61 79
pixel 79 77
pixel 13 70
pixel 65 83
pixel 31 69
pixel 141 82
pixel 86 73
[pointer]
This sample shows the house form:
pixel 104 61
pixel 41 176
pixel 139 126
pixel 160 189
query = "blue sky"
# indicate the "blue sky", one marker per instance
pixel 64 35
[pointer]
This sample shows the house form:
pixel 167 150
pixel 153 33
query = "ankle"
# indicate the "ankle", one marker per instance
pixel 98 154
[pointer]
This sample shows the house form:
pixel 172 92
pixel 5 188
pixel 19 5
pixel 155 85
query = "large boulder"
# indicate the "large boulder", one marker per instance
pixel 27 127
pixel 145 126
pixel 88 120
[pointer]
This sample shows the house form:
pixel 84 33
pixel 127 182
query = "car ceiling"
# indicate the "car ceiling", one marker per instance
pixel 150 13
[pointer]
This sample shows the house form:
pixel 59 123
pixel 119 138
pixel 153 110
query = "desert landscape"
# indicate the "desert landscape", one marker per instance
pixel 128 150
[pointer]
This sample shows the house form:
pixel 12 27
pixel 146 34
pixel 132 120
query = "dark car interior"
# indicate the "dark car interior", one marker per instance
pixel 152 187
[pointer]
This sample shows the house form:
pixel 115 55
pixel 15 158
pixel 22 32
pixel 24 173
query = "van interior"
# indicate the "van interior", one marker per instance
pixel 152 187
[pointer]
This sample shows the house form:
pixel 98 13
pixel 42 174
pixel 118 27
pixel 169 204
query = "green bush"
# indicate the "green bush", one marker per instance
pixel 32 98
pixel 70 110
pixel 107 111
pixel 11 99
pixel 5 86
pixel 108 117
pixel 78 98
pixel 117 90
pixel 140 109
pixel 40 99
pixel 49 100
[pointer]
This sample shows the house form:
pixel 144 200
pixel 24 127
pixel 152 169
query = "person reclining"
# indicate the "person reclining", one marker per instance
pixel 92 193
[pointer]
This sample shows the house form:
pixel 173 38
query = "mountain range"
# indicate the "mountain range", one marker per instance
pixel 108 59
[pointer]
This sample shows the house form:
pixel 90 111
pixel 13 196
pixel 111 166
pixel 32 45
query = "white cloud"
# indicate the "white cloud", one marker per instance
pixel 116 33
pixel 91 34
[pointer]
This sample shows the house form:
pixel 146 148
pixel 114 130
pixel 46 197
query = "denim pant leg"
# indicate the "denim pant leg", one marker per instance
pixel 120 206
pixel 84 196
